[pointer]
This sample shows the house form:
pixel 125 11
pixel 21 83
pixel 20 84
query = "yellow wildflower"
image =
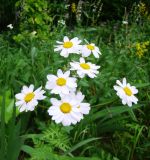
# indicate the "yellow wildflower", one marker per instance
pixel 143 9
pixel 142 48
pixel 73 7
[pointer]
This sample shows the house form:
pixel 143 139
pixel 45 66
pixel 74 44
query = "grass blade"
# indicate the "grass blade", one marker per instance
pixel 2 130
pixel 81 144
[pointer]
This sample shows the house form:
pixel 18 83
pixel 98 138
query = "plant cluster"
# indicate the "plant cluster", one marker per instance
pixel 75 103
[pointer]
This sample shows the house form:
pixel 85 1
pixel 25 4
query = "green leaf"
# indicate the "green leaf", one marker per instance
pixel 142 85
pixel 81 144
pixel 9 105
pixel 2 129
pixel 111 111
pixel 45 154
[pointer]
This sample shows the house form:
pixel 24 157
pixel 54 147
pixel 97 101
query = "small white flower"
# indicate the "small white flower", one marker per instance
pixel 10 26
pixel 68 46
pixel 124 22
pixel 65 111
pixel 84 68
pixel 83 107
pixel 88 49
pixel 33 33
pixel 28 99
pixel 61 22
pixel 61 83
pixel 126 92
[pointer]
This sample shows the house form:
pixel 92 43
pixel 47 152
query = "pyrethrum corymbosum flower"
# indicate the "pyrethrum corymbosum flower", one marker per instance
pixel 28 99
pixel 62 83
pixel 89 49
pixel 69 110
pixel 68 46
pixel 126 92
pixel 85 68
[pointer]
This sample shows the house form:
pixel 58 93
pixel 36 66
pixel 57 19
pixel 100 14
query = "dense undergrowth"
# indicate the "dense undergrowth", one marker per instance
pixel 111 131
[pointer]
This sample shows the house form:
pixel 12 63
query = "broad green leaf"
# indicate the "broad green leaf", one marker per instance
pixel 9 105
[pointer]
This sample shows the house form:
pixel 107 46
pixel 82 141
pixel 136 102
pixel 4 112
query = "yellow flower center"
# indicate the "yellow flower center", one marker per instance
pixel 60 81
pixel 67 44
pixel 65 108
pixel 29 97
pixel 85 66
pixel 90 47
pixel 127 91
pixel 78 107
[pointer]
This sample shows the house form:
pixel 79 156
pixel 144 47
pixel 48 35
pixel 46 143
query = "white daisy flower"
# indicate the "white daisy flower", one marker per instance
pixel 84 68
pixel 28 98
pixel 83 107
pixel 68 46
pixel 61 83
pixel 89 49
pixel 65 111
pixel 126 92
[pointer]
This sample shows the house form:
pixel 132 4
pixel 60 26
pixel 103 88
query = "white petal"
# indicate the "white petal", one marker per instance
pixel 65 90
pixel 75 40
pixel 66 39
pixel 58 48
pixel 66 121
pixel 81 74
pixel 119 83
pixel 67 74
pixel 86 52
pixel 123 102
pixel 22 108
pixel 19 103
pixel 50 85
pixel 91 75
pixel 54 101
pixel 134 90
pixel 51 77
pixel 84 108
pixel 31 87
pixel 124 81
pixel 64 53
pixel 129 103
pixel 76 116
pixel 25 90
pixel 71 82
pixel 19 96
pixel 56 90
pixel 59 42
pixel 96 54
pixel 58 120
pixel 53 110
pixel 60 73
pixel 134 99
pixel 82 60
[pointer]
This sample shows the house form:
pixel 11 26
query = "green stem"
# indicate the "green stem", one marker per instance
pixel 135 142
pixel 105 103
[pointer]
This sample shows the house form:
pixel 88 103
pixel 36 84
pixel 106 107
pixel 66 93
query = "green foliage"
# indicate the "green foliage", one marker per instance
pixel 9 106
pixel 116 9
pixel 52 138
pixel 55 137
pixel 44 154
pixel 111 131
pixel 34 19
pixel 89 13
pixel 7 13
pixel 10 140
